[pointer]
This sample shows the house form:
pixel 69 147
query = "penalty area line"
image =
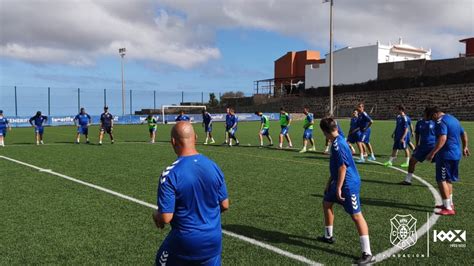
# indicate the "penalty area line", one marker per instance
pixel 146 204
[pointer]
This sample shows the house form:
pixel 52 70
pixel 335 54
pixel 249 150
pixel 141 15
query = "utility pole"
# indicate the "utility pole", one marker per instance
pixel 331 63
pixel 122 54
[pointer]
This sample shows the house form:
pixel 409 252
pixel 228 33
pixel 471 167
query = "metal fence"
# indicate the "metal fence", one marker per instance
pixel 26 100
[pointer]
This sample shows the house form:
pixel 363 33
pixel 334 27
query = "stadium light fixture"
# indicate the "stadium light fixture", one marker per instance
pixel 331 67
pixel 122 52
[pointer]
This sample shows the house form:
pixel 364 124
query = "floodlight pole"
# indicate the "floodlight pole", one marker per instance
pixel 122 54
pixel 331 65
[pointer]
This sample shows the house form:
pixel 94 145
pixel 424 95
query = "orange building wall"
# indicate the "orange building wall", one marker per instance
pixel 469 46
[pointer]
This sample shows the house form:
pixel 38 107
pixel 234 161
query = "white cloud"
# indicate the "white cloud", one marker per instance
pixel 182 32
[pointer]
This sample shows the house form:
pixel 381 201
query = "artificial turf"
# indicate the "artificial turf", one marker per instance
pixel 275 198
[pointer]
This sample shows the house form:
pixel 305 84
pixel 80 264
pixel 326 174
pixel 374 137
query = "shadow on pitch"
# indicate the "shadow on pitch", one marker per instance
pixel 389 183
pixel 389 204
pixel 283 238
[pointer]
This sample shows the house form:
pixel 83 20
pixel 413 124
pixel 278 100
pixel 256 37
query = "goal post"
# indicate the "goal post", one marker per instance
pixel 178 107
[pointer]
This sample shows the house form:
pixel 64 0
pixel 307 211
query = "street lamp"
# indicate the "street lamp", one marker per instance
pixel 331 66
pixel 122 54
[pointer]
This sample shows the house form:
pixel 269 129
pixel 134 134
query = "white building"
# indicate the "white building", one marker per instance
pixel 360 64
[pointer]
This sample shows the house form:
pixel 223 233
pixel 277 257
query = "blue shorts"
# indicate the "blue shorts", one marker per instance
pixel 420 153
pixel 39 130
pixel 284 130
pixel 163 257
pixel 152 130
pixel 308 133
pixel 83 130
pixel 399 145
pixel 207 128
pixel 3 132
pixel 447 170
pixel 265 132
pixel 365 136
pixel 351 203
pixel 354 137
pixel 232 132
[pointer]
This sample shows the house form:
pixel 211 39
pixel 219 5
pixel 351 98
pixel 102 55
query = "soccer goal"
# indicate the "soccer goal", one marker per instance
pixel 175 109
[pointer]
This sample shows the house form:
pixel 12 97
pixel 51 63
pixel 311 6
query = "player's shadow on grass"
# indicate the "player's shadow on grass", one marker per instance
pixel 317 156
pixel 388 183
pixel 389 204
pixel 279 237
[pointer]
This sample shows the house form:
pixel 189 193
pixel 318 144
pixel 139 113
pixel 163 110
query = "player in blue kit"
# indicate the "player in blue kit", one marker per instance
pixel 82 122
pixel 354 132
pixel 4 126
pixel 192 194
pixel 400 137
pixel 451 145
pixel 308 130
pixel 37 121
pixel 425 140
pixel 233 121
pixel 365 122
pixel 207 124
pixel 182 117
pixel 227 125
pixel 411 131
pixel 328 141
pixel 343 187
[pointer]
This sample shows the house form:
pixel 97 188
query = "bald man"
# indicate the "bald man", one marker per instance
pixel 192 194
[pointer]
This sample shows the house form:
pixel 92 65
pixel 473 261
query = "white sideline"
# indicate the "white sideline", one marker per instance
pixel 146 204
pixel 424 228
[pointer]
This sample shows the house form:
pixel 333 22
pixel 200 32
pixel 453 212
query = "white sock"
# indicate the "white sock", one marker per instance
pixel 447 204
pixel 206 140
pixel 408 177
pixel 2 143
pixel 372 154
pixel 328 231
pixel 362 156
pixel 327 148
pixel 408 160
pixel 391 159
pixel 451 198
pixel 261 143
pixel 365 244
pixel 212 139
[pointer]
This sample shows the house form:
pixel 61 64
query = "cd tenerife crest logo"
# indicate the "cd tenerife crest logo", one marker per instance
pixel 403 233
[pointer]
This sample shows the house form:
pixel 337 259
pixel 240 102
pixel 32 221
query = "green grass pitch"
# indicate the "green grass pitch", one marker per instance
pixel 275 198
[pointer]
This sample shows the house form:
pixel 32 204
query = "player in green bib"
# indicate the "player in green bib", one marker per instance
pixel 152 126
pixel 264 128
pixel 308 130
pixel 285 122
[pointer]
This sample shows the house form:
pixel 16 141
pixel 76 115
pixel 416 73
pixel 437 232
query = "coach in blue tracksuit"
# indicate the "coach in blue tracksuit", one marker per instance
pixel 192 194
pixel 451 144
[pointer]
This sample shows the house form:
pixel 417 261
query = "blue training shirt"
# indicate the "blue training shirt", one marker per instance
pixel 426 130
pixel 449 126
pixel 207 118
pixel 38 120
pixel 354 124
pixel 228 123
pixel 83 119
pixel 401 126
pixel 192 188
pixel 364 120
pixel 341 154
pixel 409 122
pixel 3 122
pixel 339 130
pixel 233 120
pixel 182 118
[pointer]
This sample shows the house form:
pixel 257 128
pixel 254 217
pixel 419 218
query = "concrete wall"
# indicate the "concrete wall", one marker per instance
pixel 455 99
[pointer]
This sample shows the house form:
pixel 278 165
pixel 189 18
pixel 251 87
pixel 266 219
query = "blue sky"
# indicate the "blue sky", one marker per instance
pixel 192 46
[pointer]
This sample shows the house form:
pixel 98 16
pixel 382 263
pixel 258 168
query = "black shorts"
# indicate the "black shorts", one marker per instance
pixel 106 129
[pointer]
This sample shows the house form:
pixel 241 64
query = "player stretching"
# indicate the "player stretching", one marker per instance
pixel 400 138
pixel 308 130
pixel 207 124
pixel 365 122
pixel 151 121
pixel 410 134
pixel 449 137
pixel 82 121
pixel 233 121
pixel 37 121
pixel 182 117
pixel 425 140
pixel 343 187
pixel 285 122
pixel 264 128
pixel 4 125
pixel 354 132
pixel 106 125
pixel 192 194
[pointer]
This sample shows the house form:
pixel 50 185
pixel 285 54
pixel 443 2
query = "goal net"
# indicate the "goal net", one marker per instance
pixel 170 112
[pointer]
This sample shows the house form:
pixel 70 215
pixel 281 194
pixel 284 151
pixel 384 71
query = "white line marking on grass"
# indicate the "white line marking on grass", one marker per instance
pixel 424 228
pixel 146 204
